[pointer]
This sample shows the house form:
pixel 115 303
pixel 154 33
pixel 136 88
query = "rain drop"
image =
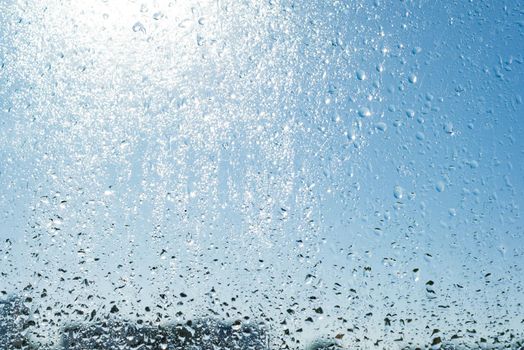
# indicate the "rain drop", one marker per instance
pixel 361 75
pixel 440 186
pixel 398 192
pixel 364 112
pixel 139 27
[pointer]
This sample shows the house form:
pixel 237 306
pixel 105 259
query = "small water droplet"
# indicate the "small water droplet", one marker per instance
pixel 448 128
pixel 398 192
pixel 473 164
pixel 139 27
pixel 412 78
pixel 416 274
pixel 361 75
pixel 428 257
pixel 237 325
pixel 158 15
pixel 364 112
pixel 309 279
pixel 381 126
pixel 200 40
pixel 440 186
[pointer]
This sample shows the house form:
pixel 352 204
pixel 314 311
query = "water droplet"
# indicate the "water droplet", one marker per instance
pixel 200 40
pixel 416 274
pixel 412 78
pixel 440 186
pixel 237 325
pixel 158 15
pixel 139 27
pixel 309 278
pixel 428 257
pixel 448 128
pixel 381 126
pixel 398 192
pixel 473 164
pixel 420 136
pixel 361 75
pixel 364 112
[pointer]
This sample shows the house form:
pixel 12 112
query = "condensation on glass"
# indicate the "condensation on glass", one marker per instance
pixel 234 174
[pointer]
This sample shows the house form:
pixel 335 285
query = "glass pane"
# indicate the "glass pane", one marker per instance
pixel 234 174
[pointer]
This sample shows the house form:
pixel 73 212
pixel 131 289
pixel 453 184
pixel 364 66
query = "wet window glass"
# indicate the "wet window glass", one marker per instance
pixel 273 174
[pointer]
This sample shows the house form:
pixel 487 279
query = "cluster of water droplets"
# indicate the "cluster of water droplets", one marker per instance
pixel 312 170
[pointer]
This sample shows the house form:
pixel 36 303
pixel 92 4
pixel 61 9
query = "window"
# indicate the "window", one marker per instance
pixel 273 174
